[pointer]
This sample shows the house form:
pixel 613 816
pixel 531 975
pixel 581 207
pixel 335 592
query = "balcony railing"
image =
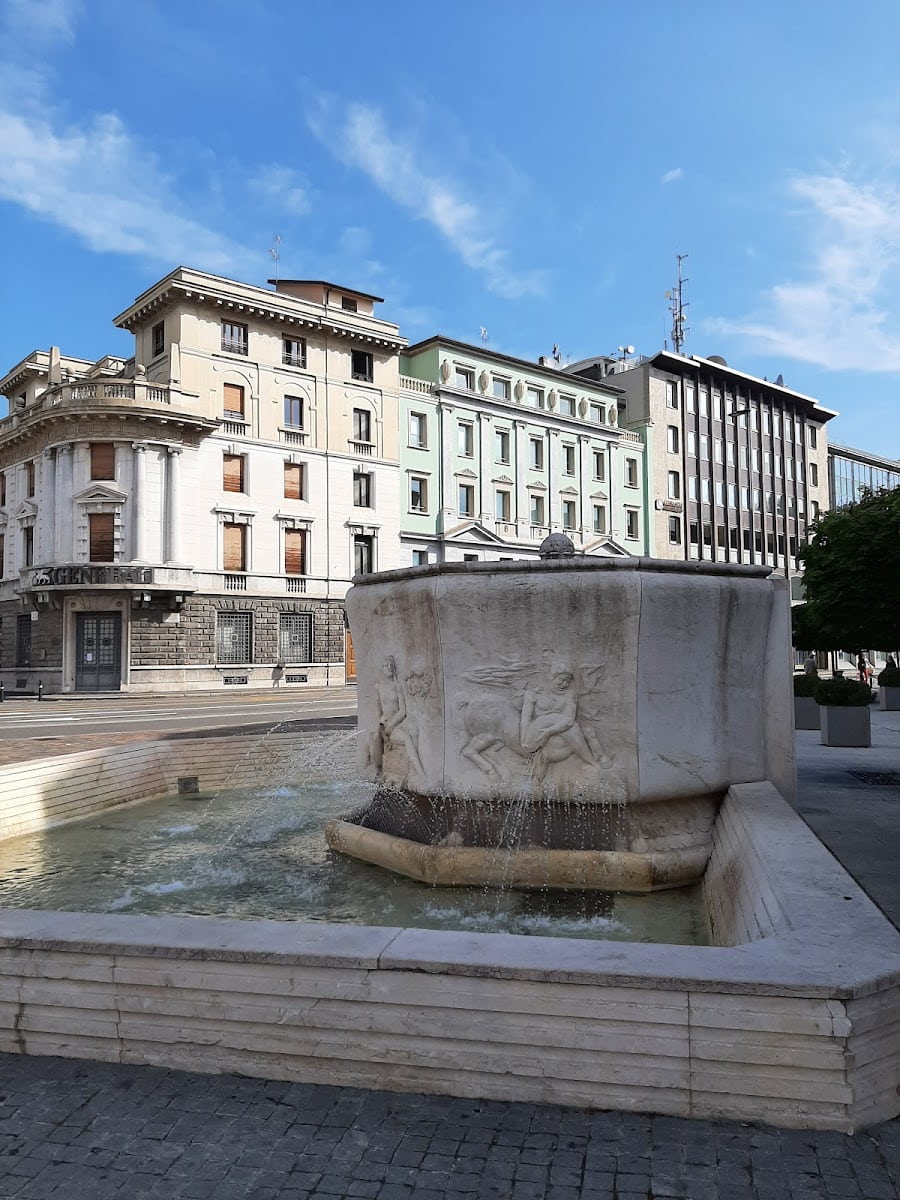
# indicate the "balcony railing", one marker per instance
pixel 293 360
pixel 235 583
pixel 416 385
pixel 253 584
pixel 363 449
pixel 293 437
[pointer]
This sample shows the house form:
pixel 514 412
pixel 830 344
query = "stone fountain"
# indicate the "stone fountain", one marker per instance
pixel 572 722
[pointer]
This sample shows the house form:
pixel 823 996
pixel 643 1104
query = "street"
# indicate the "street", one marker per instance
pixel 126 713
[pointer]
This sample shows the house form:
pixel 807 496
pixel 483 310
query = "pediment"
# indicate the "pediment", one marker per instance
pixel 101 492
pixel 599 496
pixel 466 474
pixel 25 509
pixel 568 491
pixel 537 487
pixel 501 479
pixel 474 532
pixel 605 547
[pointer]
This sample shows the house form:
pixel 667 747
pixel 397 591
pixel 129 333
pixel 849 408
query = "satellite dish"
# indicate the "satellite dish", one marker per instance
pixel 629 349
pixel 717 358
pixel 779 382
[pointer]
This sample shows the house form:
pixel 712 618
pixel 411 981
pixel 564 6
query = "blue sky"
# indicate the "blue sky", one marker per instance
pixel 519 165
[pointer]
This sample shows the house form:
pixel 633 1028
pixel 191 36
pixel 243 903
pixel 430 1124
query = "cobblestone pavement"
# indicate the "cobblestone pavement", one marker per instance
pixel 95 1130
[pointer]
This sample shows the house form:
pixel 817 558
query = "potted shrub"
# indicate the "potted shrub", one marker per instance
pixel 806 710
pixel 889 688
pixel 844 711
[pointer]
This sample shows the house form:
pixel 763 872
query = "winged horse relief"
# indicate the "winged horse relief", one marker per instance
pixel 538 719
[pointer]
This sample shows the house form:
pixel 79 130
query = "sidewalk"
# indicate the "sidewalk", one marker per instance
pixel 107 1130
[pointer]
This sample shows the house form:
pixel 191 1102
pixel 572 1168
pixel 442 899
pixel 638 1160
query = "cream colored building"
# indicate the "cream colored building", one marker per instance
pixel 193 517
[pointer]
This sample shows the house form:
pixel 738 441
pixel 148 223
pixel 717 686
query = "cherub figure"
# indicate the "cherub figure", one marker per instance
pixel 393 728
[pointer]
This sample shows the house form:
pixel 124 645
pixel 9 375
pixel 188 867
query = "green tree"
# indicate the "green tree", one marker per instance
pixel 851 573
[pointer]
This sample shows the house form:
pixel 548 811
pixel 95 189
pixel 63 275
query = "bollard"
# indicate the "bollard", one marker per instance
pixel 2 692
pixel 40 690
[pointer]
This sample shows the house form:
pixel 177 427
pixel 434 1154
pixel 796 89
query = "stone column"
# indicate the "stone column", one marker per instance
pixel 47 508
pixel 64 550
pixel 173 524
pixel 138 502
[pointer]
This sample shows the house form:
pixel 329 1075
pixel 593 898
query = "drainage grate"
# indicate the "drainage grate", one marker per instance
pixel 878 778
pixel 188 785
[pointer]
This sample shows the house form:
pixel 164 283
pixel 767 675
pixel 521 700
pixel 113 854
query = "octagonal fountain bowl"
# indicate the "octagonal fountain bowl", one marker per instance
pixel 569 722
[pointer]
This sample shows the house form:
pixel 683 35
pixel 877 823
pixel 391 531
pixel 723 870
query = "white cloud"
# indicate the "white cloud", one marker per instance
pixel 41 20
pixel 282 189
pixel 360 138
pixel 99 183
pixel 846 313
pixel 673 176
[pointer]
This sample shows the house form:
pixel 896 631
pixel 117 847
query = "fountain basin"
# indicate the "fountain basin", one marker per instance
pixel 630 692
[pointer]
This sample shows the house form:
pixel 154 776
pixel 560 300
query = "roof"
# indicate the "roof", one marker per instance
pixel 892 464
pixel 534 368
pixel 680 361
pixel 338 287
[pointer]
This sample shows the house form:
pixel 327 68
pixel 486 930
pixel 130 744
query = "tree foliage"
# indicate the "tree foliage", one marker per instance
pixel 851 573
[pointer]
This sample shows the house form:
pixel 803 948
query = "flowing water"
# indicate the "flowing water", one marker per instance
pixel 260 852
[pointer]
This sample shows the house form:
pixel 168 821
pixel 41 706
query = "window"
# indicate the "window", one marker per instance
pixel 158 339
pixel 465 439
pixel 757 500
pixel 568 514
pixel 101 537
pixel 537 510
pixel 599 514
pixel 362 425
pixel 466 500
pixel 295 637
pixel 362 489
pixel 631 523
pixel 363 553
pixel 814 509
pixel 674 491
pixel 692 443
pixel 704 400
pixel 690 398
pixel 418 430
pixel 234 637
pixel 569 460
pixel 501 445
pixel 23 640
pixel 295 551
pixel 567 406
pixel 420 558
pixel 233 400
pixel 234 547
pixel 470 558
pixel 28 548
pixel 234 337
pixel 293 411
pixel 103 460
pixel 694 533
pixel 534 397
pixel 754 457
pixel 294 481
pixel 704 447
pixel 730 453
pixel 361 365
pixel 597 412
pixel 536 454
pixel 813 475
pixel 671 393
pixel 2 489
pixel 672 439
pixel 500 387
pixel 693 492
pixel 732 495
pixel 717 449
pixel 233 472
pixel 464 377
pixel 29 478
pixel 293 351
pixel 599 465
pixel 501 505
pixel 418 495
pixel 813 436
pixel 675 531
pixel 349 304
pixel 631 472
pixel 720 492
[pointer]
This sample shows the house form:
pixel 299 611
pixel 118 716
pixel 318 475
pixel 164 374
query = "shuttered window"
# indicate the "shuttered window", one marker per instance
pixel 233 399
pixel 103 460
pixel 293 481
pixel 234 547
pixel 295 552
pixel 101 527
pixel 29 479
pixel 233 472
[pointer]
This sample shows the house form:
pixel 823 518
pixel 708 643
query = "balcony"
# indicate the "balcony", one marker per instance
pixel 293 436
pixel 252 584
pixel 363 449
pixel 422 386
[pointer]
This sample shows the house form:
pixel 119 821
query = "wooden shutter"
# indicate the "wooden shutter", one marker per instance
pixel 103 460
pixel 233 543
pixel 233 472
pixel 102 537
pixel 293 481
pixel 295 552
pixel 234 398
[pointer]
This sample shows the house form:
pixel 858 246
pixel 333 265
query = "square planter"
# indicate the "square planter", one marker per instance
pixel 889 698
pixel 806 713
pixel 845 726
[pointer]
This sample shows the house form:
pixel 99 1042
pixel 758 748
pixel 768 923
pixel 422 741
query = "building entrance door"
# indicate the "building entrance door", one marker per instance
pixel 349 658
pixel 98 652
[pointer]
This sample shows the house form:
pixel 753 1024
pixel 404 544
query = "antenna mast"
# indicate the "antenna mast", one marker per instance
pixel 677 307
pixel 275 253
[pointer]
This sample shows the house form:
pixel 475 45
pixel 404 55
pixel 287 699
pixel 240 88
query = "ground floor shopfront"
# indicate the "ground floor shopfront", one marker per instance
pixel 107 639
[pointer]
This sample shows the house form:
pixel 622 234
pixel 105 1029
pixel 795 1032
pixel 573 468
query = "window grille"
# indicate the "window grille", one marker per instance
pixel 234 637
pixel 295 637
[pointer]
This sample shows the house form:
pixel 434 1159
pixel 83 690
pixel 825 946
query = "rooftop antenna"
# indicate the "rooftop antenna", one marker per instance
pixel 557 355
pixel 624 351
pixel 275 254
pixel 485 336
pixel 677 307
